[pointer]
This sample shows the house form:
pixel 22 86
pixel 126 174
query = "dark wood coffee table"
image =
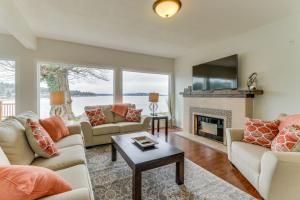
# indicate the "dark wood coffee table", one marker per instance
pixel 141 160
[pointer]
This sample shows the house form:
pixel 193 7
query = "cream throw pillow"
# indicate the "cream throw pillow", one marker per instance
pixel 14 143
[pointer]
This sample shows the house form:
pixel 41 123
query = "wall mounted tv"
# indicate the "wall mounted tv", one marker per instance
pixel 220 74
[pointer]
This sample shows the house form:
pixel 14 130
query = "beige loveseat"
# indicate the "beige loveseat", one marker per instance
pixel 274 175
pixel 70 164
pixel 115 125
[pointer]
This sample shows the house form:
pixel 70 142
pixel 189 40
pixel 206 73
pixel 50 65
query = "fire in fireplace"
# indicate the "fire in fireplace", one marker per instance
pixel 209 127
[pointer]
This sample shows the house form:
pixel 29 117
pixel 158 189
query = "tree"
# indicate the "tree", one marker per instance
pixel 57 78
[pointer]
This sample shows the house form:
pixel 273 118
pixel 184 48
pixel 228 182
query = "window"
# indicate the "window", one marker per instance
pixel 82 86
pixel 7 88
pixel 137 86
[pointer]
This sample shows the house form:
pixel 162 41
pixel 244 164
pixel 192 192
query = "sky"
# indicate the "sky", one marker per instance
pixel 133 82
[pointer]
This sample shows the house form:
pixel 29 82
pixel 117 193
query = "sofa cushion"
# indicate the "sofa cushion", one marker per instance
pixel 130 126
pixel 247 158
pixel 77 176
pixel 22 118
pixel 106 129
pixel 249 153
pixel 3 158
pixel 14 143
pixel 106 109
pixel 70 141
pixel 68 157
pixel 39 139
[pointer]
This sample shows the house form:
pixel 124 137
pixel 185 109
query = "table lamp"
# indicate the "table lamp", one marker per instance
pixel 153 99
pixel 57 99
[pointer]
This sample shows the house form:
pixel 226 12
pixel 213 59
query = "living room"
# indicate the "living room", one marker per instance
pixel 136 66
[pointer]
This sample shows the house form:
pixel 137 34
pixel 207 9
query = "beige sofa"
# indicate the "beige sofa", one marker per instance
pixel 70 164
pixel 274 175
pixel 115 125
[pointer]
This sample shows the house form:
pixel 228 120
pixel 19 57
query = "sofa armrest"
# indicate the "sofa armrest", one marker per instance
pixel 233 134
pixel 87 131
pixel 77 194
pixel 280 175
pixel 146 122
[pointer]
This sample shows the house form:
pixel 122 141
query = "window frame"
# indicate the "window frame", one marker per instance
pixel 95 66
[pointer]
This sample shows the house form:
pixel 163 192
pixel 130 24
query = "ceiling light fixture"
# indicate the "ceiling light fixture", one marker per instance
pixel 166 8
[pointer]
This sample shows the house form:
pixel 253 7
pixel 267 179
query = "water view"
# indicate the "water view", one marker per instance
pixel 80 102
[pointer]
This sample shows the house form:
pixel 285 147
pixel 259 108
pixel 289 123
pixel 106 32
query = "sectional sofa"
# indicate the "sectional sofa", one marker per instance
pixel 115 125
pixel 70 164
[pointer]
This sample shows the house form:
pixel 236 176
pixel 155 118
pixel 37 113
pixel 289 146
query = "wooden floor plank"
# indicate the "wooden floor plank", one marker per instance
pixel 210 159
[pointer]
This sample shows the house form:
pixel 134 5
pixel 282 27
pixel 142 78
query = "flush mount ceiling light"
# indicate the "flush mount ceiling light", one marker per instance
pixel 166 8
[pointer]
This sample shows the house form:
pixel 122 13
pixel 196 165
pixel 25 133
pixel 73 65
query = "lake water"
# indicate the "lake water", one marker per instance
pixel 79 103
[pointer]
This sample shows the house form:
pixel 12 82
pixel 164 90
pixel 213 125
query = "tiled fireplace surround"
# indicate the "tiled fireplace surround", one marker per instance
pixel 232 110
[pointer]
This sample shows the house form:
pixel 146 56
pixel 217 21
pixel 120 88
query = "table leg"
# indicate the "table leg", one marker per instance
pixel 158 125
pixel 152 126
pixel 166 131
pixel 180 172
pixel 113 153
pixel 137 185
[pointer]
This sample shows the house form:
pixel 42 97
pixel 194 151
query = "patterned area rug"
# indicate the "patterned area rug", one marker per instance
pixel 112 181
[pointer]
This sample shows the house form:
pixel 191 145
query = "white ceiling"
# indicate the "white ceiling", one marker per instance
pixel 131 25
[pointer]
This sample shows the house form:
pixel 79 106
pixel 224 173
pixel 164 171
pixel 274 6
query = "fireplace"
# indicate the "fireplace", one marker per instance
pixel 209 127
pixel 210 123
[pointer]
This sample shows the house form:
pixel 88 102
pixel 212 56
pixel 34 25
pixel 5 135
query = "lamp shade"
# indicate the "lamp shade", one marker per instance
pixel 153 97
pixel 57 98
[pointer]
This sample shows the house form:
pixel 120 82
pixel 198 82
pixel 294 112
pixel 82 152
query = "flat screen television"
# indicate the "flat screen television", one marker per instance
pixel 216 75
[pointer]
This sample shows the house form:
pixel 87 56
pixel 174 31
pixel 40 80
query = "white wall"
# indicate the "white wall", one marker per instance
pixel 65 52
pixel 272 50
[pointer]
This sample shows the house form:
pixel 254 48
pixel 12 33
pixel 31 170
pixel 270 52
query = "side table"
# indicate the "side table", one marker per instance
pixel 158 118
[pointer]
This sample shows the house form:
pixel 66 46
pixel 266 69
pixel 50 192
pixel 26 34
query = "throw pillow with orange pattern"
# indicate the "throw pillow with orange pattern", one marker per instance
pixel 39 140
pixel 133 115
pixel 260 132
pixel 96 116
pixel 288 140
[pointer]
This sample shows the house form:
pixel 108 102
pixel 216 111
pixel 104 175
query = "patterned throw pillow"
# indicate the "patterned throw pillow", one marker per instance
pixel 133 115
pixel 287 140
pixel 260 132
pixel 96 116
pixel 39 140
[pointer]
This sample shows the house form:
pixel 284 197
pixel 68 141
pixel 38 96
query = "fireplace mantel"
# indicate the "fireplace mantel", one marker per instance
pixel 221 93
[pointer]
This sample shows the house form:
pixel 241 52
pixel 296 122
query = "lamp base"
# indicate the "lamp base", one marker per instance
pixel 153 108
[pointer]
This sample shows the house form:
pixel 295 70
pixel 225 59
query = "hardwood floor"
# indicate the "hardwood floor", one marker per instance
pixel 210 159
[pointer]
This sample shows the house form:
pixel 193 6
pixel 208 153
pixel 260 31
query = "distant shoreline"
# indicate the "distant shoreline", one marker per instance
pixel 99 95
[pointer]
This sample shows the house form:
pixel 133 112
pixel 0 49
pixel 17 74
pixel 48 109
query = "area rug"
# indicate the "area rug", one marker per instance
pixel 112 181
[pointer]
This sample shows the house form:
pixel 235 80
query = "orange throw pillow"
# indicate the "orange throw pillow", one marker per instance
pixel 260 132
pixel 120 109
pixel 29 182
pixel 55 127
pixel 288 121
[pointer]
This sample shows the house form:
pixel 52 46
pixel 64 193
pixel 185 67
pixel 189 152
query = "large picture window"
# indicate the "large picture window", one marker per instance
pixel 82 86
pixel 137 86
pixel 7 88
